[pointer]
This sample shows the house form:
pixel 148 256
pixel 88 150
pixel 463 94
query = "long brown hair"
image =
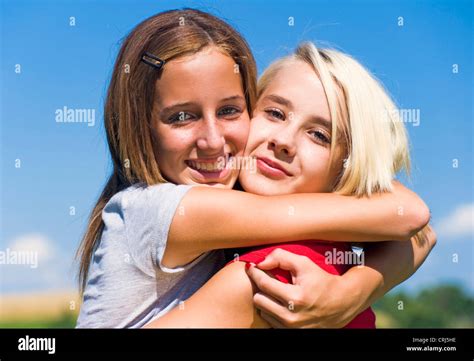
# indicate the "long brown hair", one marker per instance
pixel 129 103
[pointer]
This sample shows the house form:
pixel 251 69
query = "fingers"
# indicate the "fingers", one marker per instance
pixel 271 310
pixel 272 321
pixel 431 234
pixel 270 285
pixel 280 258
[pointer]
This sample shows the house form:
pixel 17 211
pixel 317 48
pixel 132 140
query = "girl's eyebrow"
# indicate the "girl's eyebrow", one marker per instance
pixel 320 120
pixel 233 97
pixel 174 107
pixel 279 99
pixel 287 103
pixel 178 106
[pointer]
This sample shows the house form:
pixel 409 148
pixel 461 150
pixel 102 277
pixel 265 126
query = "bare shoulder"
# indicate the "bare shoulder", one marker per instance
pixel 234 276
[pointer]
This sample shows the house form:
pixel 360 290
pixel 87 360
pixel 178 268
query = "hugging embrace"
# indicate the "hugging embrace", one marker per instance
pixel 181 238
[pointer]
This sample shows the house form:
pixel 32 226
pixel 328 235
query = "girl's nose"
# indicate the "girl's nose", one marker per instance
pixel 283 143
pixel 211 137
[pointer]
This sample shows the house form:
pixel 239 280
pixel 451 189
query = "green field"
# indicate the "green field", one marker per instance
pixel 443 306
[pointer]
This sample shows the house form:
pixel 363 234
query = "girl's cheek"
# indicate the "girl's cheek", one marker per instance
pixel 237 134
pixel 177 140
pixel 260 132
pixel 315 167
pixel 244 136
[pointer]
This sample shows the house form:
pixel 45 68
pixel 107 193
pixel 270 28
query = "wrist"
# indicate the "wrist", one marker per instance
pixel 363 284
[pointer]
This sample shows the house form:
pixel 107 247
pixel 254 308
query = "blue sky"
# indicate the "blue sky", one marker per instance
pixel 64 165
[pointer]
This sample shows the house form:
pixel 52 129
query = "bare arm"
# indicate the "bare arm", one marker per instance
pixel 217 218
pixel 224 301
pixel 388 264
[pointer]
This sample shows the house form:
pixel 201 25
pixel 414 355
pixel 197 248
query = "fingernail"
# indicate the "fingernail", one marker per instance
pixel 248 265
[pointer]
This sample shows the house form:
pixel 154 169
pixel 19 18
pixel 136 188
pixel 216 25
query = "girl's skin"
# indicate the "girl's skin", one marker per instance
pixel 224 120
pixel 296 135
pixel 292 127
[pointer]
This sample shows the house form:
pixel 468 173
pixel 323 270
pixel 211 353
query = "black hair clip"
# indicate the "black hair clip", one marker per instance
pixel 153 60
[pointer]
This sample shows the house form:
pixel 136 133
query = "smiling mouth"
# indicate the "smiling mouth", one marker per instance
pixel 267 166
pixel 214 165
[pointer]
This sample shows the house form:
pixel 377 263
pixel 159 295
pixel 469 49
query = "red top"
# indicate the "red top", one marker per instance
pixel 325 254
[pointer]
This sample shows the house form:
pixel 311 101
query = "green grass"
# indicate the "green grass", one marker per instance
pixel 66 320
pixel 443 306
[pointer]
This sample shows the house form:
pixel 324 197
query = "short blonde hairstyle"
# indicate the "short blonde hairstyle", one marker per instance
pixel 363 119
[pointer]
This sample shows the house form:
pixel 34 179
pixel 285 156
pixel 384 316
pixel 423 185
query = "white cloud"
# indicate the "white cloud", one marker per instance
pixel 36 243
pixel 460 223
pixel 49 268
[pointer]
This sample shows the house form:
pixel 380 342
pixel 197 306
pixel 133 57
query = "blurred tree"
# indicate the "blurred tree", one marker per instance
pixel 443 306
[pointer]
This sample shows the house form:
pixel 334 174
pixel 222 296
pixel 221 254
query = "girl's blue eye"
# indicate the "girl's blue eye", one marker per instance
pixel 275 113
pixel 180 117
pixel 320 136
pixel 228 111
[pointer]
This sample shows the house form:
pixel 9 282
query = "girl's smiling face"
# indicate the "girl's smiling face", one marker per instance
pixel 290 135
pixel 200 118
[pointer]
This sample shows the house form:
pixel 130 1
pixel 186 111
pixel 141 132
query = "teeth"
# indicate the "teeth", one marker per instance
pixel 209 167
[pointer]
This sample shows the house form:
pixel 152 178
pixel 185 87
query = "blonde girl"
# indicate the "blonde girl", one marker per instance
pixel 322 123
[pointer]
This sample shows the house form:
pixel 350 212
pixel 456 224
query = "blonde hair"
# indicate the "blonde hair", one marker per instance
pixel 363 117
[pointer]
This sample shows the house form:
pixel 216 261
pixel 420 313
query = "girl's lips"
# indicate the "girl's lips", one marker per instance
pixel 209 175
pixel 270 171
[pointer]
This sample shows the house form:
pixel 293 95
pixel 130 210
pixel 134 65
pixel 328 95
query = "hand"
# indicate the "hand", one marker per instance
pixel 315 299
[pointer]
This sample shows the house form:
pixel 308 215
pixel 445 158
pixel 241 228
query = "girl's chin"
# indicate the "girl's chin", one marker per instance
pixel 264 187
pixel 215 185
pixel 226 183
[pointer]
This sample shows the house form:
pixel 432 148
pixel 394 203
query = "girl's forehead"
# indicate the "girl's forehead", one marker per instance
pixel 296 70
pixel 199 73
pixel 297 82
pixel 290 73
